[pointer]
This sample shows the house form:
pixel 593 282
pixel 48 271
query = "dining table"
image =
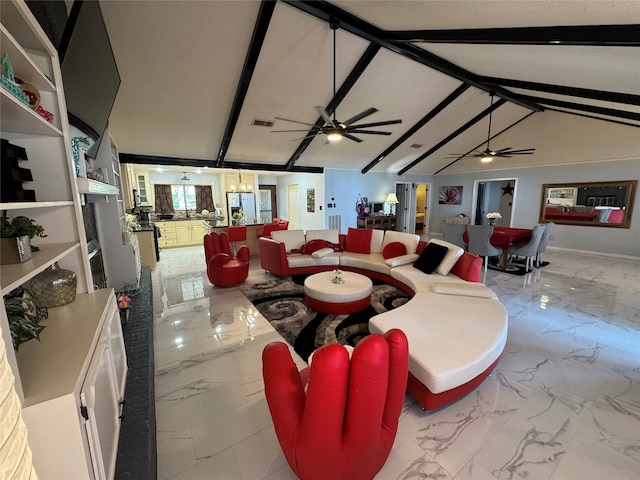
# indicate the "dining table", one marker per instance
pixel 504 237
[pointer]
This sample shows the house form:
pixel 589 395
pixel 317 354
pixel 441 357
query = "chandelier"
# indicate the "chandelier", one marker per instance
pixel 241 187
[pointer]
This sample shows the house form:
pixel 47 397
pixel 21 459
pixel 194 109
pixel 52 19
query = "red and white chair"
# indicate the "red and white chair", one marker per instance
pixel 344 425
pixel 223 268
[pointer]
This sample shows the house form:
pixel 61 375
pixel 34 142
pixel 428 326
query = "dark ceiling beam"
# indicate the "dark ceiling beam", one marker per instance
pixel 257 39
pixel 364 61
pixel 480 144
pixel 584 108
pixel 605 96
pixel 453 135
pixel 604 119
pixel 352 24
pixel 133 158
pixel 593 35
pixel 421 123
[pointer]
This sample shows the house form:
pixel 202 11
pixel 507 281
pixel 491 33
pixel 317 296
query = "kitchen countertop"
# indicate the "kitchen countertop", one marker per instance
pixel 214 223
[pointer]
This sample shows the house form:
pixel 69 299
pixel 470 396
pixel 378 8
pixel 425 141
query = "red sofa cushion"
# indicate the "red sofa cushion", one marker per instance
pixel 358 240
pixel 394 249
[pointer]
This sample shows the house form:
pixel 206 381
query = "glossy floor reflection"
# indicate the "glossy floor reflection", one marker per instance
pixel 564 402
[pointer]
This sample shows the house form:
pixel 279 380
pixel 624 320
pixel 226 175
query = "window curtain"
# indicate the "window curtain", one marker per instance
pixel 204 198
pixel 164 203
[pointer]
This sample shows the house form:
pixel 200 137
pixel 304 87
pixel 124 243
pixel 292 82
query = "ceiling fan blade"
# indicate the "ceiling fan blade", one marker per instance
pixel 370 132
pixel 284 131
pixel 503 149
pixel 304 138
pixel 294 121
pixel 323 113
pixel 361 115
pixel 376 124
pixel 351 137
pixel 524 151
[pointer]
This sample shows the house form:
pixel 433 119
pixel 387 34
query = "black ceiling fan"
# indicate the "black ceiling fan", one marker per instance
pixel 488 154
pixel 334 129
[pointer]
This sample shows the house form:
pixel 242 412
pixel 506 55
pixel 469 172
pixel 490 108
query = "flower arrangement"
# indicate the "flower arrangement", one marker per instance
pixel 124 301
pixel 337 276
pixel 492 217
pixel 238 218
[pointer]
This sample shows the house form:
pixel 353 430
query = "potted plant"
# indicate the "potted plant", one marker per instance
pixel 16 234
pixel 23 315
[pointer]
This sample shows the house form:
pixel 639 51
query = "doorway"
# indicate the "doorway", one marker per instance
pixel 293 206
pixel 404 222
pixel 496 195
pixel 422 208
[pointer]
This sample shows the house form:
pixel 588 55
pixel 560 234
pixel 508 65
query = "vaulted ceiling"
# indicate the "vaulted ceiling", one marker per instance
pixel 197 75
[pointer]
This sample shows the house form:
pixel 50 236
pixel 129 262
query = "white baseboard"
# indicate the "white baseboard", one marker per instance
pixel 589 252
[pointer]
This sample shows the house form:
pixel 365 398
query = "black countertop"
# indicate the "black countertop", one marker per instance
pixel 213 222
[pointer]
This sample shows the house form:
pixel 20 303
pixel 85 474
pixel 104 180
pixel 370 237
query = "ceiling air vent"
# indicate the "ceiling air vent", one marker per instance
pixel 262 123
pixel 416 145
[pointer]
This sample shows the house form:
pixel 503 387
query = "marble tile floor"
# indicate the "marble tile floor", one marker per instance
pixel 563 403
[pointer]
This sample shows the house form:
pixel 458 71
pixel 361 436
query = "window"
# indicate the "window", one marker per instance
pixel 180 193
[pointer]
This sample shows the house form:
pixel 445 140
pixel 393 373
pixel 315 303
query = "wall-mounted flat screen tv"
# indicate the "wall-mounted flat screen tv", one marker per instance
pixel 89 71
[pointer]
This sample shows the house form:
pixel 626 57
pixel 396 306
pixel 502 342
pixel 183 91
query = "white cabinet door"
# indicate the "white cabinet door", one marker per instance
pixel 118 352
pixel 99 396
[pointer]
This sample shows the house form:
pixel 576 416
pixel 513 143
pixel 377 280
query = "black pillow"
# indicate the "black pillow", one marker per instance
pixel 431 257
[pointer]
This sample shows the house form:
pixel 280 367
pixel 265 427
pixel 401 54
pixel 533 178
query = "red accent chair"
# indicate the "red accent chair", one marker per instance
pixel 343 428
pixel 268 228
pixel 284 224
pixel 223 268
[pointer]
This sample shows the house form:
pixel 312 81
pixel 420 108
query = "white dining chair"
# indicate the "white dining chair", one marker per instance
pixel 479 243
pixel 529 250
pixel 542 246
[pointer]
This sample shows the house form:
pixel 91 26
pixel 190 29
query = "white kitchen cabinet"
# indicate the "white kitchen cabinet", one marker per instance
pixel 52 373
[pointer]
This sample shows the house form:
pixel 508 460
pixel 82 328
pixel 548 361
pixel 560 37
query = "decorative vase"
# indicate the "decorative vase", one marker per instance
pixel 54 287
pixel 492 221
pixel 15 250
pixel 124 315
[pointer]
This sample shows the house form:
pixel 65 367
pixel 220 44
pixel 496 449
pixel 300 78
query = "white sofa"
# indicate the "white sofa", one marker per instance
pixel 456 326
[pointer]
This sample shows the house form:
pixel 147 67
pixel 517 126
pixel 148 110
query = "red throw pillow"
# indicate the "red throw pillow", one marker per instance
pixel 315 245
pixel 394 249
pixel 358 240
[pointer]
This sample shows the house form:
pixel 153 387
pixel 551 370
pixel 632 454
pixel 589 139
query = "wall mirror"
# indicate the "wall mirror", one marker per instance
pixel 597 204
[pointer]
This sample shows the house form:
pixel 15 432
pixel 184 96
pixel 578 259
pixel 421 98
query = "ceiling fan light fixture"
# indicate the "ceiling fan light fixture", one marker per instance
pixel 334 135
pixel 486 159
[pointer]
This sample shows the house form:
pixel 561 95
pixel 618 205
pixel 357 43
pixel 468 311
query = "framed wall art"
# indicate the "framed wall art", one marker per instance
pixel 450 195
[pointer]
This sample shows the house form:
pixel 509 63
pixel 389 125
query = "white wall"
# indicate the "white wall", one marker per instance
pixel 343 186
pixel 308 220
pixel 528 200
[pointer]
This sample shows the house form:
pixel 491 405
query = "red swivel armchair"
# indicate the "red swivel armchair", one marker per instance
pixel 223 268
pixel 344 426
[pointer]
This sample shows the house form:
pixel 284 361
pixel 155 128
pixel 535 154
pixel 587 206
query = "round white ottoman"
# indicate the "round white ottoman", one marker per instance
pixel 323 295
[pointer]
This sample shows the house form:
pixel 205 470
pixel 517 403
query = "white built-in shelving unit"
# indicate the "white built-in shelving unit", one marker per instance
pixel 71 382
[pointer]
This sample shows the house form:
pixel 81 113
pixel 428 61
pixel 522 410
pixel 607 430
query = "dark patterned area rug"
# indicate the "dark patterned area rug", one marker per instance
pixel 281 302
pixel 514 267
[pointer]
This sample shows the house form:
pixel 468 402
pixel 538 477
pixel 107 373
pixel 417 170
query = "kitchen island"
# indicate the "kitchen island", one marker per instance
pixel 185 232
